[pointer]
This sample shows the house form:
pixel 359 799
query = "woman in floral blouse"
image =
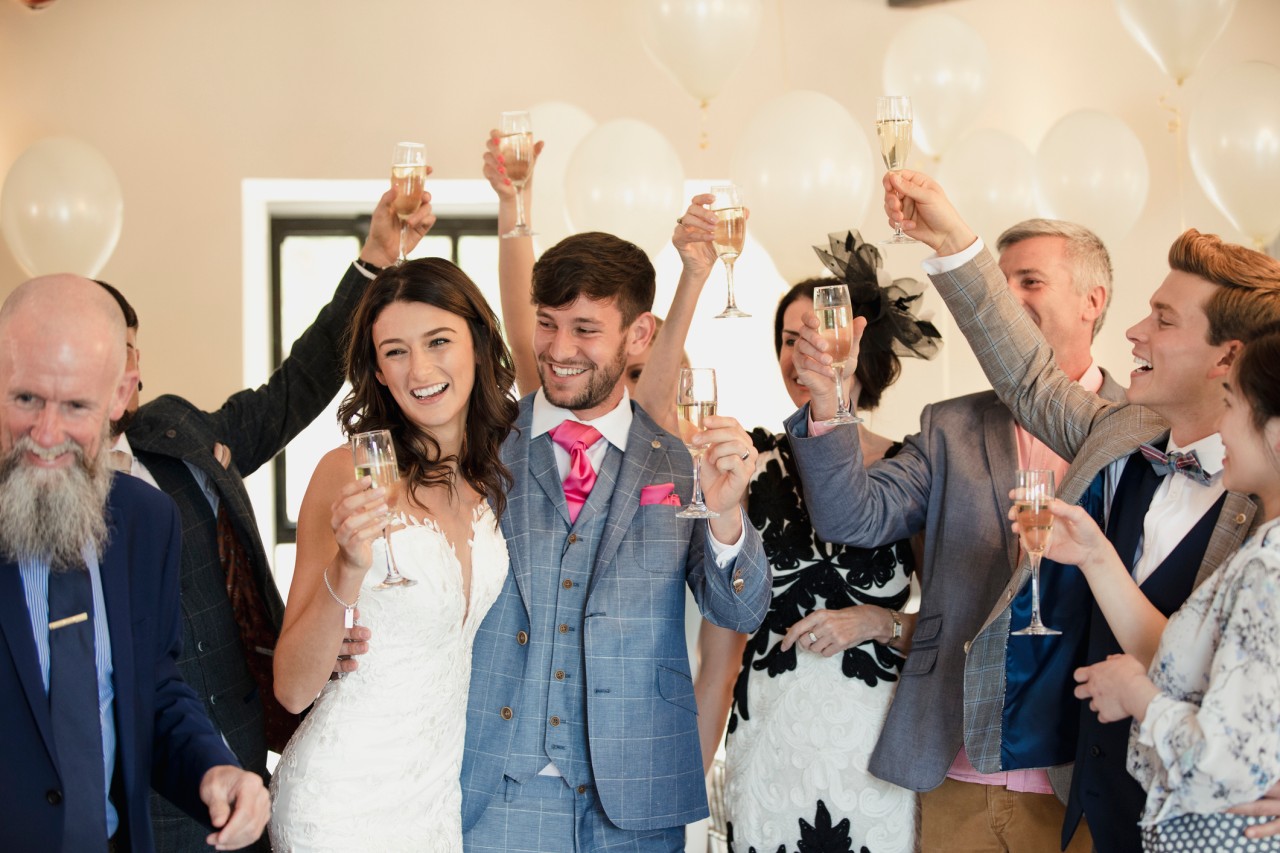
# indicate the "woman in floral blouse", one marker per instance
pixel 1204 693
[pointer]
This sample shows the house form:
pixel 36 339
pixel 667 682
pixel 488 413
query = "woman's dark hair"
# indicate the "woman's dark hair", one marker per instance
pixel 491 412
pixel 1258 374
pixel 877 368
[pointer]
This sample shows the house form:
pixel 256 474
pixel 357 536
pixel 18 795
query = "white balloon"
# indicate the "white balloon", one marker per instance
pixel 624 178
pixel 701 43
pixel 561 126
pixel 943 65
pixel 61 209
pixel 805 167
pixel 991 178
pixel 1091 170
pixel 1176 33
pixel 1233 136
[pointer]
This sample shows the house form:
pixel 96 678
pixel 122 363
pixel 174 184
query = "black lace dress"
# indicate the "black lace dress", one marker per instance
pixel 803 726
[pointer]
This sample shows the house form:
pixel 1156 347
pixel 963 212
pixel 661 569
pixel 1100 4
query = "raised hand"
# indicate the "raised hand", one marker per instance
pixel 358 517
pixel 495 168
pixel 917 202
pixel 382 246
pixel 813 366
pixel 727 467
pixel 693 236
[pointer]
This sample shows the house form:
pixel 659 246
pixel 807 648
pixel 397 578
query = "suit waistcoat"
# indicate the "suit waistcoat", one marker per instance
pixel 1101 786
pixel 553 694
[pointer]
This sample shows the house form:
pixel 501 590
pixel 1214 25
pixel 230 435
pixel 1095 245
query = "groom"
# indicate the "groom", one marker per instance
pixel 582 726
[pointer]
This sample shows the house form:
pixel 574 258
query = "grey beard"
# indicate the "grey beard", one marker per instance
pixel 52 514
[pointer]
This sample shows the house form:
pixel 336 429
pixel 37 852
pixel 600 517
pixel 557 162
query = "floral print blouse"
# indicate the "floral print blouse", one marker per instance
pixel 1211 738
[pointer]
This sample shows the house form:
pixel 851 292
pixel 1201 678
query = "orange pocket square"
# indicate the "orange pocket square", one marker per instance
pixel 662 493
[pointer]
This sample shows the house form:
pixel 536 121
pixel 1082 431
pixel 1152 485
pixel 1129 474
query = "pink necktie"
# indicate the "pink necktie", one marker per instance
pixel 576 438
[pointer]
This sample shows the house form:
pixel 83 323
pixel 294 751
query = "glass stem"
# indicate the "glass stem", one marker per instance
pixel 520 208
pixel 842 408
pixel 697 482
pixel 1035 590
pixel 393 573
pixel 728 277
pixel 402 230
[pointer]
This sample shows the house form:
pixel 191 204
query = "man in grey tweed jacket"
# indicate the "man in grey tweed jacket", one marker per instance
pixel 1213 298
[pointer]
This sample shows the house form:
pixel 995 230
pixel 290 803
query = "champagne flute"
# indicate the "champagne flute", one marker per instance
pixel 731 233
pixel 408 173
pixel 893 126
pixel 374 454
pixel 835 312
pixel 695 399
pixel 516 146
pixel 1032 496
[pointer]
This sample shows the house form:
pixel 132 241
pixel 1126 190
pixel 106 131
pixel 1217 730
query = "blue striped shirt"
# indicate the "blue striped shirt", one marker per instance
pixel 35 582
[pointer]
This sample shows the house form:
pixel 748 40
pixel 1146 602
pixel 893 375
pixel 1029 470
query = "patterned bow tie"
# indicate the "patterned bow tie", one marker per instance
pixel 1175 461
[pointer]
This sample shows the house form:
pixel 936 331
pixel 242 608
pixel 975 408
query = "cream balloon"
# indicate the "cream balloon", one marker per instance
pixel 1091 169
pixel 991 178
pixel 805 167
pixel 626 179
pixel 1233 136
pixel 943 65
pixel 1177 33
pixel 561 126
pixel 701 43
pixel 61 209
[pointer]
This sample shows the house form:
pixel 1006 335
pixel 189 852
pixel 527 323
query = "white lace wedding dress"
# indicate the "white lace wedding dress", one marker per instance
pixel 376 763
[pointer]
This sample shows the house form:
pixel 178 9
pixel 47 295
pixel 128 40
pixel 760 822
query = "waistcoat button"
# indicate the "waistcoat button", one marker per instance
pixel 506 713
pixel 522 637
pixel 555 721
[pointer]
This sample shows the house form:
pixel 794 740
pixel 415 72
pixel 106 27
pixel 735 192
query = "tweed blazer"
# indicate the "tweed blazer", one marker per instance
pixel 255 424
pixel 1079 426
pixel 641 713
pixel 950 481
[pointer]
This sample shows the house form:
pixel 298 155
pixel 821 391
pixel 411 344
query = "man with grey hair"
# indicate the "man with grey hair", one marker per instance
pixel 93 712
pixel 951 482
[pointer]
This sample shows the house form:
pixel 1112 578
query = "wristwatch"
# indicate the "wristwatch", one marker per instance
pixel 896 635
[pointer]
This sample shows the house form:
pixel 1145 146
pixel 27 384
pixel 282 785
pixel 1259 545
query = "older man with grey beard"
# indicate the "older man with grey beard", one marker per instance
pixel 93 712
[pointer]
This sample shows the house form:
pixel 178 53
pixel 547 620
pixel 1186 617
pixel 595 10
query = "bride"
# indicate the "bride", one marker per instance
pixel 376 764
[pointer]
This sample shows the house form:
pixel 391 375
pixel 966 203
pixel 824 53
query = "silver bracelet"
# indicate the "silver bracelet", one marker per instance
pixel 349 618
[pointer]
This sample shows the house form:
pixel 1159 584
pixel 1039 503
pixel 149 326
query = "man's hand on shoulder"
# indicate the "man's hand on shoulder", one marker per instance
pixel 239 806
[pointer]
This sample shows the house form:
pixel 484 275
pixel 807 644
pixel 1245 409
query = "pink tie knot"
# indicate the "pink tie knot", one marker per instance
pixel 575 438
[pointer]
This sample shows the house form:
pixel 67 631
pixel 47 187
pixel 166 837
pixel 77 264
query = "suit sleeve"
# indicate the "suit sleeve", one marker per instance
pixel 851 504
pixel 257 423
pixel 712 584
pixel 185 743
pixel 1016 358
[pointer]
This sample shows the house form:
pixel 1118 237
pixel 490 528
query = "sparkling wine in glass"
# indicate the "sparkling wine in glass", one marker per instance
pixel 832 305
pixel 516 146
pixel 731 233
pixel 893 126
pixel 695 400
pixel 374 454
pixel 1032 496
pixel 408 174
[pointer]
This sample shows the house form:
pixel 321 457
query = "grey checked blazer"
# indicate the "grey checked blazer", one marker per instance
pixel 641 714
pixel 951 481
pixel 1078 426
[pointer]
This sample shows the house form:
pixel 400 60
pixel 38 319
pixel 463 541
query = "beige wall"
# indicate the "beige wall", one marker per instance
pixel 187 98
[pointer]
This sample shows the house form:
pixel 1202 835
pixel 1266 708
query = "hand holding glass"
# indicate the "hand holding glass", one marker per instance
pixel 1032 496
pixel 834 309
pixel 408 174
pixel 374 454
pixel 695 400
pixel 516 147
pixel 893 126
pixel 731 233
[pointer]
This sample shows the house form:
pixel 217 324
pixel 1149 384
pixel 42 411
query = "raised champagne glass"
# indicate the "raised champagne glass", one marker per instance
pixel 834 308
pixel 408 174
pixel 516 147
pixel 731 233
pixel 695 400
pixel 374 454
pixel 893 126
pixel 1032 496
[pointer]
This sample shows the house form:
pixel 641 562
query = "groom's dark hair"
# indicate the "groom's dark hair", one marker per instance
pixel 599 266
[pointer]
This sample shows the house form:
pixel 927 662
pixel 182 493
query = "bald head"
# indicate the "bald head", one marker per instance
pixel 71 310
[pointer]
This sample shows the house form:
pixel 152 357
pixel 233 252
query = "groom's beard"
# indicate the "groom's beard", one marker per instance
pixel 51 514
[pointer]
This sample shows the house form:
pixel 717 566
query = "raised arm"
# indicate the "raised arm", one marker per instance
pixel 515 263
pixel 656 390
pixel 338 520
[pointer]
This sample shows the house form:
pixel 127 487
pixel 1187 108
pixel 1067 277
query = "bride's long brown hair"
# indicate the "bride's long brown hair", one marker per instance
pixel 491 411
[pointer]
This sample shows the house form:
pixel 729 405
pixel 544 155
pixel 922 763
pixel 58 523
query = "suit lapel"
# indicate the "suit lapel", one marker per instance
pixel 625 497
pixel 15 627
pixel 1002 459
pixel 114 571
pixel 1236 521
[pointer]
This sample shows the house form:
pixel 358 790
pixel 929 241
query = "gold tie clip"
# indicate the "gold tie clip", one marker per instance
pixel 69 620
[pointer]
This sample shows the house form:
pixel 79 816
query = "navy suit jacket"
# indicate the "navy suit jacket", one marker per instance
pixel 163 737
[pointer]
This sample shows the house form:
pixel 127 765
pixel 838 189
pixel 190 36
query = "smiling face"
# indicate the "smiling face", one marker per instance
pixel 791 325
pixel 1040 276
pixel 583 349
pixel 426 359
pixel 1179 374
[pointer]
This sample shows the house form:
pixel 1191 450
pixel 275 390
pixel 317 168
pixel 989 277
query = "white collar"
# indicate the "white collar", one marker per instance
pixel 1209 451
pixel 614 425
pixel 122 444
